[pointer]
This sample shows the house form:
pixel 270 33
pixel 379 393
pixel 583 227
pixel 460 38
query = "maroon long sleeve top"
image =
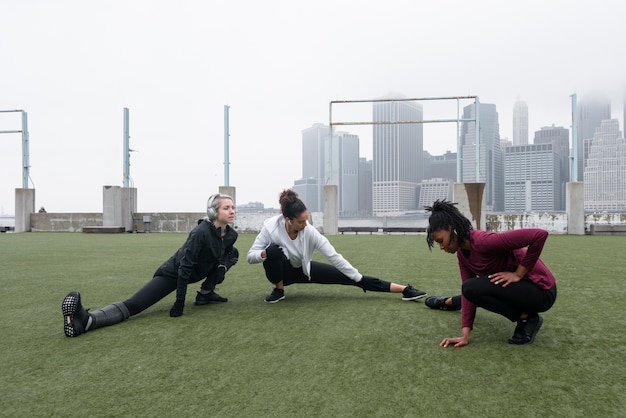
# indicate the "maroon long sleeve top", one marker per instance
pixel 494 252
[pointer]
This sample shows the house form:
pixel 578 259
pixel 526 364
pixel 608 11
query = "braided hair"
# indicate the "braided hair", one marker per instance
pixel 445 215
pixel 290 204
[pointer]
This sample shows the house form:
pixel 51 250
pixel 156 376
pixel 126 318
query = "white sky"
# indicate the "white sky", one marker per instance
pixel 74 65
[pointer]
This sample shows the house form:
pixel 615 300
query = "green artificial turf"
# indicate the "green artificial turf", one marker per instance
pixel 323 351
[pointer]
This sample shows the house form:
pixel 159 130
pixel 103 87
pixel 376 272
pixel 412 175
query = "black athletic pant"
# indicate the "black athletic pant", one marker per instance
pixel 158 288
pixel 279 269
pixel 510 301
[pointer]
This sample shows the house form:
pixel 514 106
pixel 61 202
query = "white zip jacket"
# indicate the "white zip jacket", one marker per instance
pixel 299 251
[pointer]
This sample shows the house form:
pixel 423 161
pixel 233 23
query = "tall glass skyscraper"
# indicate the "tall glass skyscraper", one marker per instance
pixel 397 167
pixel 329 162
pixel 345 172
pixel 532 178
pixel 605 172
pixel 315 142
pixel 592 110
pixel 559 138
pixel 520 123
pixel 491 154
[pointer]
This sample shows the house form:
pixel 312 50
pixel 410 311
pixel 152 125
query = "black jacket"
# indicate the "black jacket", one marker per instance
pixel 204 250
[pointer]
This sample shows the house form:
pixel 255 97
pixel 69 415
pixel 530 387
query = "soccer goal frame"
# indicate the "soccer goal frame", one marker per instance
pixel 458 120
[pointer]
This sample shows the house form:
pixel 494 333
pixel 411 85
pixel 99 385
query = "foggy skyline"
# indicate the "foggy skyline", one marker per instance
pixel 74 67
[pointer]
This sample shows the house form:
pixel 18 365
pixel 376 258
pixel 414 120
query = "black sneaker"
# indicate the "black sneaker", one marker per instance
pixel 526 330
pixel 275 296
pixel 411 293
pixel 439 302
pixel 209 298
pixel 75 317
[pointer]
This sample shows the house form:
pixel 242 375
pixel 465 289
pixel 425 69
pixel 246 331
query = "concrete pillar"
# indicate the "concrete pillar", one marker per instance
pixel 470 199
pixel 24 206
pixel 331 210
pixel 230 191
pixel 575 208
pixel 119 206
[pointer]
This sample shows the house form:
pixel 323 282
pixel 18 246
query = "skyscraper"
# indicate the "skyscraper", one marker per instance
pixel 491 156
pixel 520 122
pixel 365 187
pixel 329 162
pixel 315 142
pixel 592 110
pixel 434 189
pixel 442 166
pixel 605 172
pixel 345 172
pixel 397 158
pixel 532 178
pixel 559 138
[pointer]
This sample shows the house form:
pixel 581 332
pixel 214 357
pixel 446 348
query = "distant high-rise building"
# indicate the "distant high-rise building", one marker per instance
pixel 315 143
pixel 559 138
pixel 520 123
pixel 345 172
pixel 532 178
pixel 308 191
pixel 325 162
pixel 605 172
pixel 397 159
pixel 592 110
pixel 365 187
pixel 434 189
pixel 443 166
pixel 491 155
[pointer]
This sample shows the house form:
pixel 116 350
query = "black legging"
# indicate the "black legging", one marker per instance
pixel 279 269
pixel 158 288
pixel 510 301
pixel 152 292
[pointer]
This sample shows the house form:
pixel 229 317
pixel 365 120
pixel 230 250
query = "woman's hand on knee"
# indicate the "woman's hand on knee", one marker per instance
pixel 504 278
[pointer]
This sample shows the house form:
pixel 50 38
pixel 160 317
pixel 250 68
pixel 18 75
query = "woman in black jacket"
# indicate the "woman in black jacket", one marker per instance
pixel 207 254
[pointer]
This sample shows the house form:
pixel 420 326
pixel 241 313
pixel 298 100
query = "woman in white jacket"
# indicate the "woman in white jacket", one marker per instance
pixel 286 244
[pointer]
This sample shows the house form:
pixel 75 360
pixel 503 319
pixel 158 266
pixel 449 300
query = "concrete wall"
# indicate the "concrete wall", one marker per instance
pixel 555 223
pixel 159 222
pixel 63 222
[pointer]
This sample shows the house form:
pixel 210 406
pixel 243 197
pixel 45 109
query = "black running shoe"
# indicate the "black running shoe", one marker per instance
pixel 439 302
pixel 75 317
pixel 275 296
pixel 526 330
pixel 209 298
pixel 411 293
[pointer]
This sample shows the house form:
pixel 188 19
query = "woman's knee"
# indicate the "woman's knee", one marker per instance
pixel 273 271
pixel 474 287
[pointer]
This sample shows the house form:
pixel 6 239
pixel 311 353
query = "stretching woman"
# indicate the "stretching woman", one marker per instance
pixel 207 253
pixel 501 272
pixel 286 244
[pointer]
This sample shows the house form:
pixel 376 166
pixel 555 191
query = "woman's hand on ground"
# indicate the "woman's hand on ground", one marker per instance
pixel 457 341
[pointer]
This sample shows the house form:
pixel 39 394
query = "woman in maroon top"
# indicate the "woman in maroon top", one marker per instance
pixel 500 272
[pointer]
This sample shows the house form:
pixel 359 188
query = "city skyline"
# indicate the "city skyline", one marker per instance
pixel 518 178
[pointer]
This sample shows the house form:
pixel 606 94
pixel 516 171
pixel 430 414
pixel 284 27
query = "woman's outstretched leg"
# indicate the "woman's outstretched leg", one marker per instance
pixel 76 319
